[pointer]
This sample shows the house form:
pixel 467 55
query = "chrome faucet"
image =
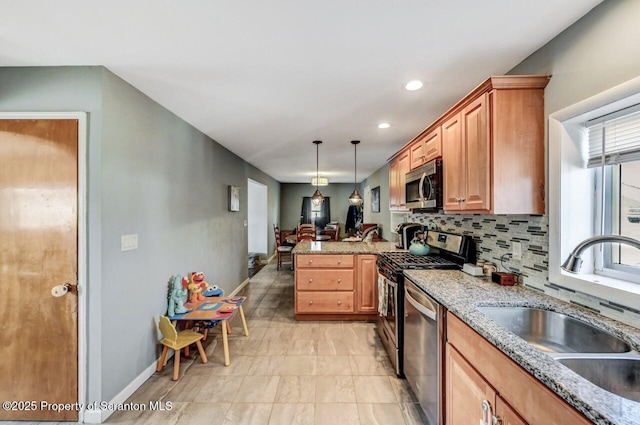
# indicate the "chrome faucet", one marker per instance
pixel 574 262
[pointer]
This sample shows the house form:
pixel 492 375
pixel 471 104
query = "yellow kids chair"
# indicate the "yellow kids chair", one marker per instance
pixel 177 341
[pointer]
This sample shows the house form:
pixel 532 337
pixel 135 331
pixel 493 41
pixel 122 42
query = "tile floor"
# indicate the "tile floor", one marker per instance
pixel 285 372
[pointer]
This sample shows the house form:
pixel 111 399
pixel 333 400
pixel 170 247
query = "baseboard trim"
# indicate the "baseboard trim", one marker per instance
pixel 98 416
pixel 239 288
pixel 270 259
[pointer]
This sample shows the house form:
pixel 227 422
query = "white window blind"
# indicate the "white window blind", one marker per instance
pixel 617 135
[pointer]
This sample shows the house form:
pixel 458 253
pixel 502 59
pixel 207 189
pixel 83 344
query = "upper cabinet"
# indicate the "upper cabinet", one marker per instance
pixel 398 168
pixel 492 148
pixel 426 148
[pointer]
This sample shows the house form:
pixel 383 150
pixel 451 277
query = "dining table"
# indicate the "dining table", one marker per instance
pixel 213 310
pixel 293 239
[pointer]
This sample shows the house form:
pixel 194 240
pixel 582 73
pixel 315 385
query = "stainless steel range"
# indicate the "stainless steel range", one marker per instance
pixel 454 250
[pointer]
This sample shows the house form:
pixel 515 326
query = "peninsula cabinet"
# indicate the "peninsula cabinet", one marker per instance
pixel 335 286
pixel 481 382
pixel 398 168
pixel 493 148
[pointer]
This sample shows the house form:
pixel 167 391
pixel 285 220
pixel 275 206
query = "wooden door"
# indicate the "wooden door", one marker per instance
pixel 367 288
pixel 453 164
pixel 404 166
pixel 475 134
pixel 38 250
pixel 466 390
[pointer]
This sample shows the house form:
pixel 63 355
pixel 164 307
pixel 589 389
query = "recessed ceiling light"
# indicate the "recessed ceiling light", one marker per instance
pixel 413 85
pixel 384 125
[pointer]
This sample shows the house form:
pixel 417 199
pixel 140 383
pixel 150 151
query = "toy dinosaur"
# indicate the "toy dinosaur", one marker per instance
pixel 177 291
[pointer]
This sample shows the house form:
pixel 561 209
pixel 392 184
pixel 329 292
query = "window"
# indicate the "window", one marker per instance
pixel 614 154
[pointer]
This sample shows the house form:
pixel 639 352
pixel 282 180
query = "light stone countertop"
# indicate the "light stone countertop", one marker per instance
pixel 345 248
pixel 461 293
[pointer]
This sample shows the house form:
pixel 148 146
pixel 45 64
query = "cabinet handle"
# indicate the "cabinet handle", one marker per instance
pixel 496 420
pixel 339 261
pixel 488 417
pixel 339 280
pixel 310 261
pixel 339 302
pixel 310 302
pixel 461 199
pixel 310 280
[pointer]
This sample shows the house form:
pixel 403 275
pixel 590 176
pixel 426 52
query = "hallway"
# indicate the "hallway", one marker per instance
pixel 285 372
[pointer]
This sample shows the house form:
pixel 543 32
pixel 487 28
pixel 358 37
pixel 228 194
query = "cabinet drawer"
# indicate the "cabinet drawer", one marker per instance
pixel 307 261
pixel 324 280
pixel 324 302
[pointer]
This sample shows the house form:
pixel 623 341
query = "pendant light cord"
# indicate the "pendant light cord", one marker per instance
pixel 355 165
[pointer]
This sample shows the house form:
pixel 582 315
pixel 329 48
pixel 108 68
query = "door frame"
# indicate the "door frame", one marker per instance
pixel 82 237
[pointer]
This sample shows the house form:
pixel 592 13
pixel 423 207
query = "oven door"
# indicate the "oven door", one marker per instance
pixel 388 322
pixel 414 188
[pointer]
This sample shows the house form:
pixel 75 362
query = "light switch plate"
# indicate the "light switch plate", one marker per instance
pixel 245 223
pixel 128 242
pixel 516 250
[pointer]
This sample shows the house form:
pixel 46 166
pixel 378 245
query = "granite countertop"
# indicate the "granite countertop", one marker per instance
pixel 345 248
pixel 461 293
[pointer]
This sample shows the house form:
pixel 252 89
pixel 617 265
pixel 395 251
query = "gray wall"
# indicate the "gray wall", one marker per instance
pixel 594 54
pixel 66 89
pixel 383 218
pixel 152 174
pixel 291 202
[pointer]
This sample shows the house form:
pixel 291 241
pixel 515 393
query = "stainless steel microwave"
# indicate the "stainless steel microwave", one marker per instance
pixel 423 186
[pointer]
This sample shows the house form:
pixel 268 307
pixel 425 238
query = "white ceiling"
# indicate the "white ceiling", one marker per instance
pixel 266 78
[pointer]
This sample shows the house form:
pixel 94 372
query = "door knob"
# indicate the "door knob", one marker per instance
pixel 61 290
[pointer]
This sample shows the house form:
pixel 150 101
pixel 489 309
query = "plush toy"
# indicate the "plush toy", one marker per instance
pixel 177 291
pixel 213 291
pixel 197 285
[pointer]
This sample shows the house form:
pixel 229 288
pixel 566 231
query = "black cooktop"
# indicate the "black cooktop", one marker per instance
pixel 406 260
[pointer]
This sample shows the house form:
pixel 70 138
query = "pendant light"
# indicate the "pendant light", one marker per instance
pixel 355 198
pixel 317 197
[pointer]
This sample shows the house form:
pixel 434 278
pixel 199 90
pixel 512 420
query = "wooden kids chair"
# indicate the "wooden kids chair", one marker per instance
pixel 177 341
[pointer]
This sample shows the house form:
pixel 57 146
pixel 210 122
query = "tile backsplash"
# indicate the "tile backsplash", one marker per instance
pixel 494 235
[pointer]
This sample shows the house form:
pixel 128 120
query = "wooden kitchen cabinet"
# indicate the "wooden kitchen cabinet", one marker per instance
pixel 475 369
pixel 398 168
pixel 467 179
pixel 427 147
pixel 367 277
pixel 468 392
pixel 336 286
pixel 493 148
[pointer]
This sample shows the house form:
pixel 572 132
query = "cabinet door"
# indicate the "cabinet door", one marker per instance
pixel 367 284
pixel 475 134
pixel 506 414
pixel 453 163
pixel 466 390
pixel 404 166
pixel 432 145
pixel 417 154
pixel 393 184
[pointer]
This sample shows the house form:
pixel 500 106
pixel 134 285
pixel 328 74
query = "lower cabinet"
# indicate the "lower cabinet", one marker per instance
pixel 470 398
pixel 336 286
pixel 482 382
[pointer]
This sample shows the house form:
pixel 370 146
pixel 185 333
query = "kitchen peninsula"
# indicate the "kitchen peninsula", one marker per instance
pixel 337 280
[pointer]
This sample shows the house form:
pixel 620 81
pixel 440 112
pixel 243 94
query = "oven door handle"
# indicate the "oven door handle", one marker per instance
pixel 424 310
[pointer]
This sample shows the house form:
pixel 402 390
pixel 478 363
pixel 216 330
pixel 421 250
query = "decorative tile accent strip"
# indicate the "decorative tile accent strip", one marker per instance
pixel 494 234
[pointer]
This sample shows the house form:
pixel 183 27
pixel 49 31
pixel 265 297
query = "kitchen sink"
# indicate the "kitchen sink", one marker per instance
pixel 618 375
pixel 554 332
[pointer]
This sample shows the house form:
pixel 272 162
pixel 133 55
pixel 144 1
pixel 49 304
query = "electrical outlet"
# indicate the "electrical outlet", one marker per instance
pixel 519 279
pixel 516 250
pixel 128 242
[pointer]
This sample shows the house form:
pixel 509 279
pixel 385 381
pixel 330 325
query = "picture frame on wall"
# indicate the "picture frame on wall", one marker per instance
pixel 375 199
pixel 234 198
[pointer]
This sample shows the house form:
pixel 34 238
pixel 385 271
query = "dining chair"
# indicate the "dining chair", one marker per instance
pixel 283 252
pixel 177 341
